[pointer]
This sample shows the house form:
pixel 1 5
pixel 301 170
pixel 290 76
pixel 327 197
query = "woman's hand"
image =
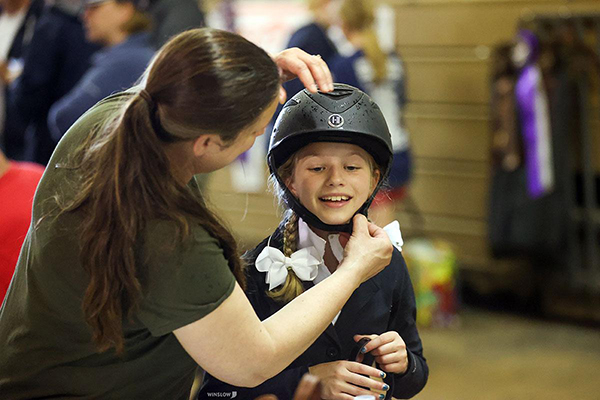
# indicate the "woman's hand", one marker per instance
pixel 389 350
pixel 310 69
pixel 368 250
pixel 341 379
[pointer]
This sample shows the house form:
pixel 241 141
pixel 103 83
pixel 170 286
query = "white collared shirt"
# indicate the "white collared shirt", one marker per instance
pixel 307 238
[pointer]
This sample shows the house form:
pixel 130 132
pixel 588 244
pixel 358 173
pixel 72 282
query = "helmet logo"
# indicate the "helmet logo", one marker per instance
pixel 335 120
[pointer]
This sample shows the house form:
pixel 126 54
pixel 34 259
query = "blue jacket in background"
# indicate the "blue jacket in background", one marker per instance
pixel 13 129
pixel 113 69
pixel 56 59
pixel 313 39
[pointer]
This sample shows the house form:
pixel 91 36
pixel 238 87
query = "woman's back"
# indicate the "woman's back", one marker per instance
pixel 46 332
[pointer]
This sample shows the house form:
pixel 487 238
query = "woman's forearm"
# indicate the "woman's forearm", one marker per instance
pixel 234 346
pixel 297 325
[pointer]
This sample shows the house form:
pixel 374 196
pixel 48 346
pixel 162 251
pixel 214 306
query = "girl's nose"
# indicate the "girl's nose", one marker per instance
pixel 336 176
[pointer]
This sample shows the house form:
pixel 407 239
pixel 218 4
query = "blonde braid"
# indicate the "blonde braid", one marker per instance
pixel 293 286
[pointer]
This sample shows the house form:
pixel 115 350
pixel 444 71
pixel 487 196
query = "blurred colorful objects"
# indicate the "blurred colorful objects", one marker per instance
pixel 432 265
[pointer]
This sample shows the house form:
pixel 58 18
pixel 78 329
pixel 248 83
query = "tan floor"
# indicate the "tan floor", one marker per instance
pixel 494 356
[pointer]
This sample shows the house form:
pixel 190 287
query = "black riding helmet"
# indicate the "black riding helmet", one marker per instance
pixel 345 115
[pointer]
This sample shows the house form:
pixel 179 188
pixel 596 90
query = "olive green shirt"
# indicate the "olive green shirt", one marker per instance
pixel 46 348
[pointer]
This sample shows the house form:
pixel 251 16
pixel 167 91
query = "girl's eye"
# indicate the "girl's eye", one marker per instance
pixel 352 167
pixel 316 169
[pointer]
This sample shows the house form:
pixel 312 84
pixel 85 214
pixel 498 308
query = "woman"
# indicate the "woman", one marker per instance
pixel 127 280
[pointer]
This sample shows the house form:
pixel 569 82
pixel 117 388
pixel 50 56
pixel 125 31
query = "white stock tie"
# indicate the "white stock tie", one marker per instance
pixel 304 262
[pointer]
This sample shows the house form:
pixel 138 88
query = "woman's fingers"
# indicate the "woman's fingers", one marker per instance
pixel 368 254
pixel 310 69
pixel 376 231
pixel 360 225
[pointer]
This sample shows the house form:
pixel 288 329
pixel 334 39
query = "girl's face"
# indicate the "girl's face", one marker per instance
pixel 332 180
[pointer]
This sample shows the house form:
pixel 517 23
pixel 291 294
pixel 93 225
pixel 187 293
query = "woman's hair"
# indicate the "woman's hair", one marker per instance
pixel 359 16
pixel 293 286
pixel 201 81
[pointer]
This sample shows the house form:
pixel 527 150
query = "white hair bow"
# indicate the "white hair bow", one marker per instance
pixel 304 262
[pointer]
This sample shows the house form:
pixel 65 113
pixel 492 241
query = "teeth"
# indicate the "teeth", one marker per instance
pixel 336 198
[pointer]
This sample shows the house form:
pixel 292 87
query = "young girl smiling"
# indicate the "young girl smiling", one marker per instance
pixel 329 154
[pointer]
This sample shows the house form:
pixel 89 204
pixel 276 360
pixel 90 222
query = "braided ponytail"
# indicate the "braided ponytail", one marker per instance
pixel 292 286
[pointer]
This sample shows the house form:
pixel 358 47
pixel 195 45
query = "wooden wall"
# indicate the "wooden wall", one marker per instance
pixel 446 47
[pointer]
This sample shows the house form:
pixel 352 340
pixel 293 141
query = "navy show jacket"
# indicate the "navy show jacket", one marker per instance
pixel 384 303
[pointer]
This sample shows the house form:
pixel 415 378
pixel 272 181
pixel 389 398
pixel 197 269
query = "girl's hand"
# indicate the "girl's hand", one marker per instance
pixel 341 379
pixel 389 350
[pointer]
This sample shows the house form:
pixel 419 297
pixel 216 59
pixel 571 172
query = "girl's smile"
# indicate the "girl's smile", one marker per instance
pixel 333 180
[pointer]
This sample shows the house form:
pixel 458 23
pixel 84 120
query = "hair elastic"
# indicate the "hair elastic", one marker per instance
pixel 162 134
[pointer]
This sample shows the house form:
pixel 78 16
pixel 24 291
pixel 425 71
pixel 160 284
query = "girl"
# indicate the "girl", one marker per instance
pixel 127 280
pixel 329 153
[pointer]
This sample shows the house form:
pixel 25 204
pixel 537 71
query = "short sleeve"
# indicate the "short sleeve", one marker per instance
pixel 184 281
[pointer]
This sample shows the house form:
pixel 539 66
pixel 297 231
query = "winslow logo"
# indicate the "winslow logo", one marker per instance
pixel 222 395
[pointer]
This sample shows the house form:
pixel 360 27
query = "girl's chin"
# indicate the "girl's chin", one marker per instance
pixel 335 221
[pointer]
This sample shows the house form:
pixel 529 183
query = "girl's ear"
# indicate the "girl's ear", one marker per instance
pixel 375 179
pixel 290 185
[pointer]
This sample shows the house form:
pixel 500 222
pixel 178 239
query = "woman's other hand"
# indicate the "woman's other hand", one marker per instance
pixel 368 250
pixel 343 379
pixel 310 69
pixel 389 350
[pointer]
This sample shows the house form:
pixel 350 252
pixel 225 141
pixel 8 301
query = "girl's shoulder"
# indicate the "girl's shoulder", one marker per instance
pixel 274 240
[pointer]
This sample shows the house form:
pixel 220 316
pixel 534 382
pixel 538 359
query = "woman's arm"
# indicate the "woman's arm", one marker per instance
pixel 232 344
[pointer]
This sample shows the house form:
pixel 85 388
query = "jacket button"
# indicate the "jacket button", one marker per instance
pixel 332 352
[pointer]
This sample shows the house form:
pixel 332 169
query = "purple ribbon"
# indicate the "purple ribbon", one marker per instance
pixel 535 125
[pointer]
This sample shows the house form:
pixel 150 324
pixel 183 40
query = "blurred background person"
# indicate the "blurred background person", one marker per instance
pixel 382 76
pixel 57 57
pixel 170 17
pixel 18 181
pixel 17 22
pixel 122 28
pixel 313 38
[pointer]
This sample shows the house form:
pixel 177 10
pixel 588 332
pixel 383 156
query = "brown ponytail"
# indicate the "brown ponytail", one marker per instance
pixel 196 82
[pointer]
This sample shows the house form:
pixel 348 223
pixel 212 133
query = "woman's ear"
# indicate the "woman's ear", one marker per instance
pixel 202 144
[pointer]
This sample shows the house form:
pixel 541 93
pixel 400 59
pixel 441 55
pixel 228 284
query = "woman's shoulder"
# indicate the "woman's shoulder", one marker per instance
pixel 90 123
